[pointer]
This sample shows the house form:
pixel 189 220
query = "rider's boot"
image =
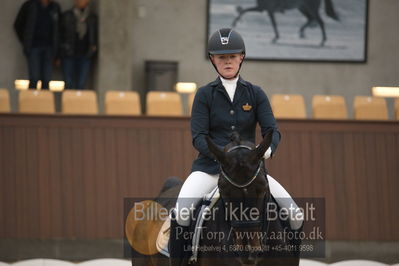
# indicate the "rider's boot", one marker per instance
pixel 296 240
pixel 177 243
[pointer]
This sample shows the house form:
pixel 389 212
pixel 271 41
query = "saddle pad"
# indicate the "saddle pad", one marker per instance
pixel 163 238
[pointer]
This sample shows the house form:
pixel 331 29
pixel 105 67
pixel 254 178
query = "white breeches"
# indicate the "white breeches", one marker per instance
pixel 200 183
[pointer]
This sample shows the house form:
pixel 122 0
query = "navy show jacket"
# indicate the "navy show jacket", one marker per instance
pixel 214 114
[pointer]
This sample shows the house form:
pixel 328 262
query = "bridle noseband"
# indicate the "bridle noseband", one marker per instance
pixel 251 179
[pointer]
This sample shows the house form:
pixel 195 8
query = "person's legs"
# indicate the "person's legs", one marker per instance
pixel 284 200
pixel 194 188
pixel 68 72
pixel 33 67
pixel 83 67
pixel 47 57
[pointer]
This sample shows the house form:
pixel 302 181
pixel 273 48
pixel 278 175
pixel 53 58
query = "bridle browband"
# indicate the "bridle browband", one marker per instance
pixel 251 179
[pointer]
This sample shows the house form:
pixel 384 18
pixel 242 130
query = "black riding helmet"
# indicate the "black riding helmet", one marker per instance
pixel 226 41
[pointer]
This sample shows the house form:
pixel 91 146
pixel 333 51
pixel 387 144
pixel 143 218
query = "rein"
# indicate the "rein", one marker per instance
pixel 250 180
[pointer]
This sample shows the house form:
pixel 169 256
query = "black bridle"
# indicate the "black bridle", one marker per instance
pixel 258 222
pixel 249 182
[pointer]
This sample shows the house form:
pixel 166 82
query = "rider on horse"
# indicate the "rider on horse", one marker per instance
pixel 228 104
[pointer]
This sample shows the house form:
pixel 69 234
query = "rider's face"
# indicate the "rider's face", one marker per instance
pixel 227 64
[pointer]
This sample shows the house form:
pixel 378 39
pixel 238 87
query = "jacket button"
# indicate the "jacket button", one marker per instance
pixel 232 112
pixel 233 127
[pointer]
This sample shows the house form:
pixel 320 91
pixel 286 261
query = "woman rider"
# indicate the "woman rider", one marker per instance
pixel 220 108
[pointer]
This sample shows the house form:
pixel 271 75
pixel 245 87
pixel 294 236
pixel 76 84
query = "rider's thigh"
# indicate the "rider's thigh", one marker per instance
pixel 285 200
pixel 194 188
pixel 197 184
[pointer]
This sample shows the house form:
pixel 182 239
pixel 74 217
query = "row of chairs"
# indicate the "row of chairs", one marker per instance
pixel 332 107
pixel 85 102
pixel 170 104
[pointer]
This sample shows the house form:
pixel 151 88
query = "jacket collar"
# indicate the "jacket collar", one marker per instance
pixel 241 87
pixel 218 82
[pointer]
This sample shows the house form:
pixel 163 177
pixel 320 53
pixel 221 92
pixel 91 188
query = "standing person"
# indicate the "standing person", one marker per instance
pixel 37 27
pixel 223 106
pixel 78 44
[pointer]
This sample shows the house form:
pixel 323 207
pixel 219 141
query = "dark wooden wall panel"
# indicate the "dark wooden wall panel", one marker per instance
pixel 353 165
pixel 67 176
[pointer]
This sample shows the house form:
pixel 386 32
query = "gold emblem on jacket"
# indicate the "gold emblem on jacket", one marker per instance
pixel 246 107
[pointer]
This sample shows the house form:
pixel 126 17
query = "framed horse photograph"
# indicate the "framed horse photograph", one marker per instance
pixel 296 30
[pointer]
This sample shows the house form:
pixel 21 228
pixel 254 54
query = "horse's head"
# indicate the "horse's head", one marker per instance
pixel 243 187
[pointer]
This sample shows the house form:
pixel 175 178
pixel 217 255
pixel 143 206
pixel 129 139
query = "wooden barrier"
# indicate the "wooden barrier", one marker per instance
pixel 66 176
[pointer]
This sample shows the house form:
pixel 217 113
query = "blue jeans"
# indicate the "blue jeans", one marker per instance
pixel 76 70
pixel 40 65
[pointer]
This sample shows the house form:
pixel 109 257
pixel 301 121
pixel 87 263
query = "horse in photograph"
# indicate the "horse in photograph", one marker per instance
pixel 227 238
pixel 309 8
pixel 243 184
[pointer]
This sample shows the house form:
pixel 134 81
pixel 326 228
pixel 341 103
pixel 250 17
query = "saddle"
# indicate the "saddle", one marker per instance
pixel 206 205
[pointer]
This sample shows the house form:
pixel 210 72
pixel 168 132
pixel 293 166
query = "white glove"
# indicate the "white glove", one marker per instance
pixel 268 153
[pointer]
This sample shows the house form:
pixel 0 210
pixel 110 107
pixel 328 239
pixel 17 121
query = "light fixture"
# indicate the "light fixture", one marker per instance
pixel 21 84
pixel 385 91
pixel 186 87
pixel 57 85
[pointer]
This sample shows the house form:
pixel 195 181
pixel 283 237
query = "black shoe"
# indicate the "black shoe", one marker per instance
pixel 177 244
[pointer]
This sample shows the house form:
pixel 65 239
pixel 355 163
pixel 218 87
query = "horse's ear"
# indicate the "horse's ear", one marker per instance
pixel 214 149
pixel 235 137
pixel 265 144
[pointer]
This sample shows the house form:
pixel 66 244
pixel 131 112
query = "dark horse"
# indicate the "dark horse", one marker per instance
pixel 232 237
pixel 309 8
